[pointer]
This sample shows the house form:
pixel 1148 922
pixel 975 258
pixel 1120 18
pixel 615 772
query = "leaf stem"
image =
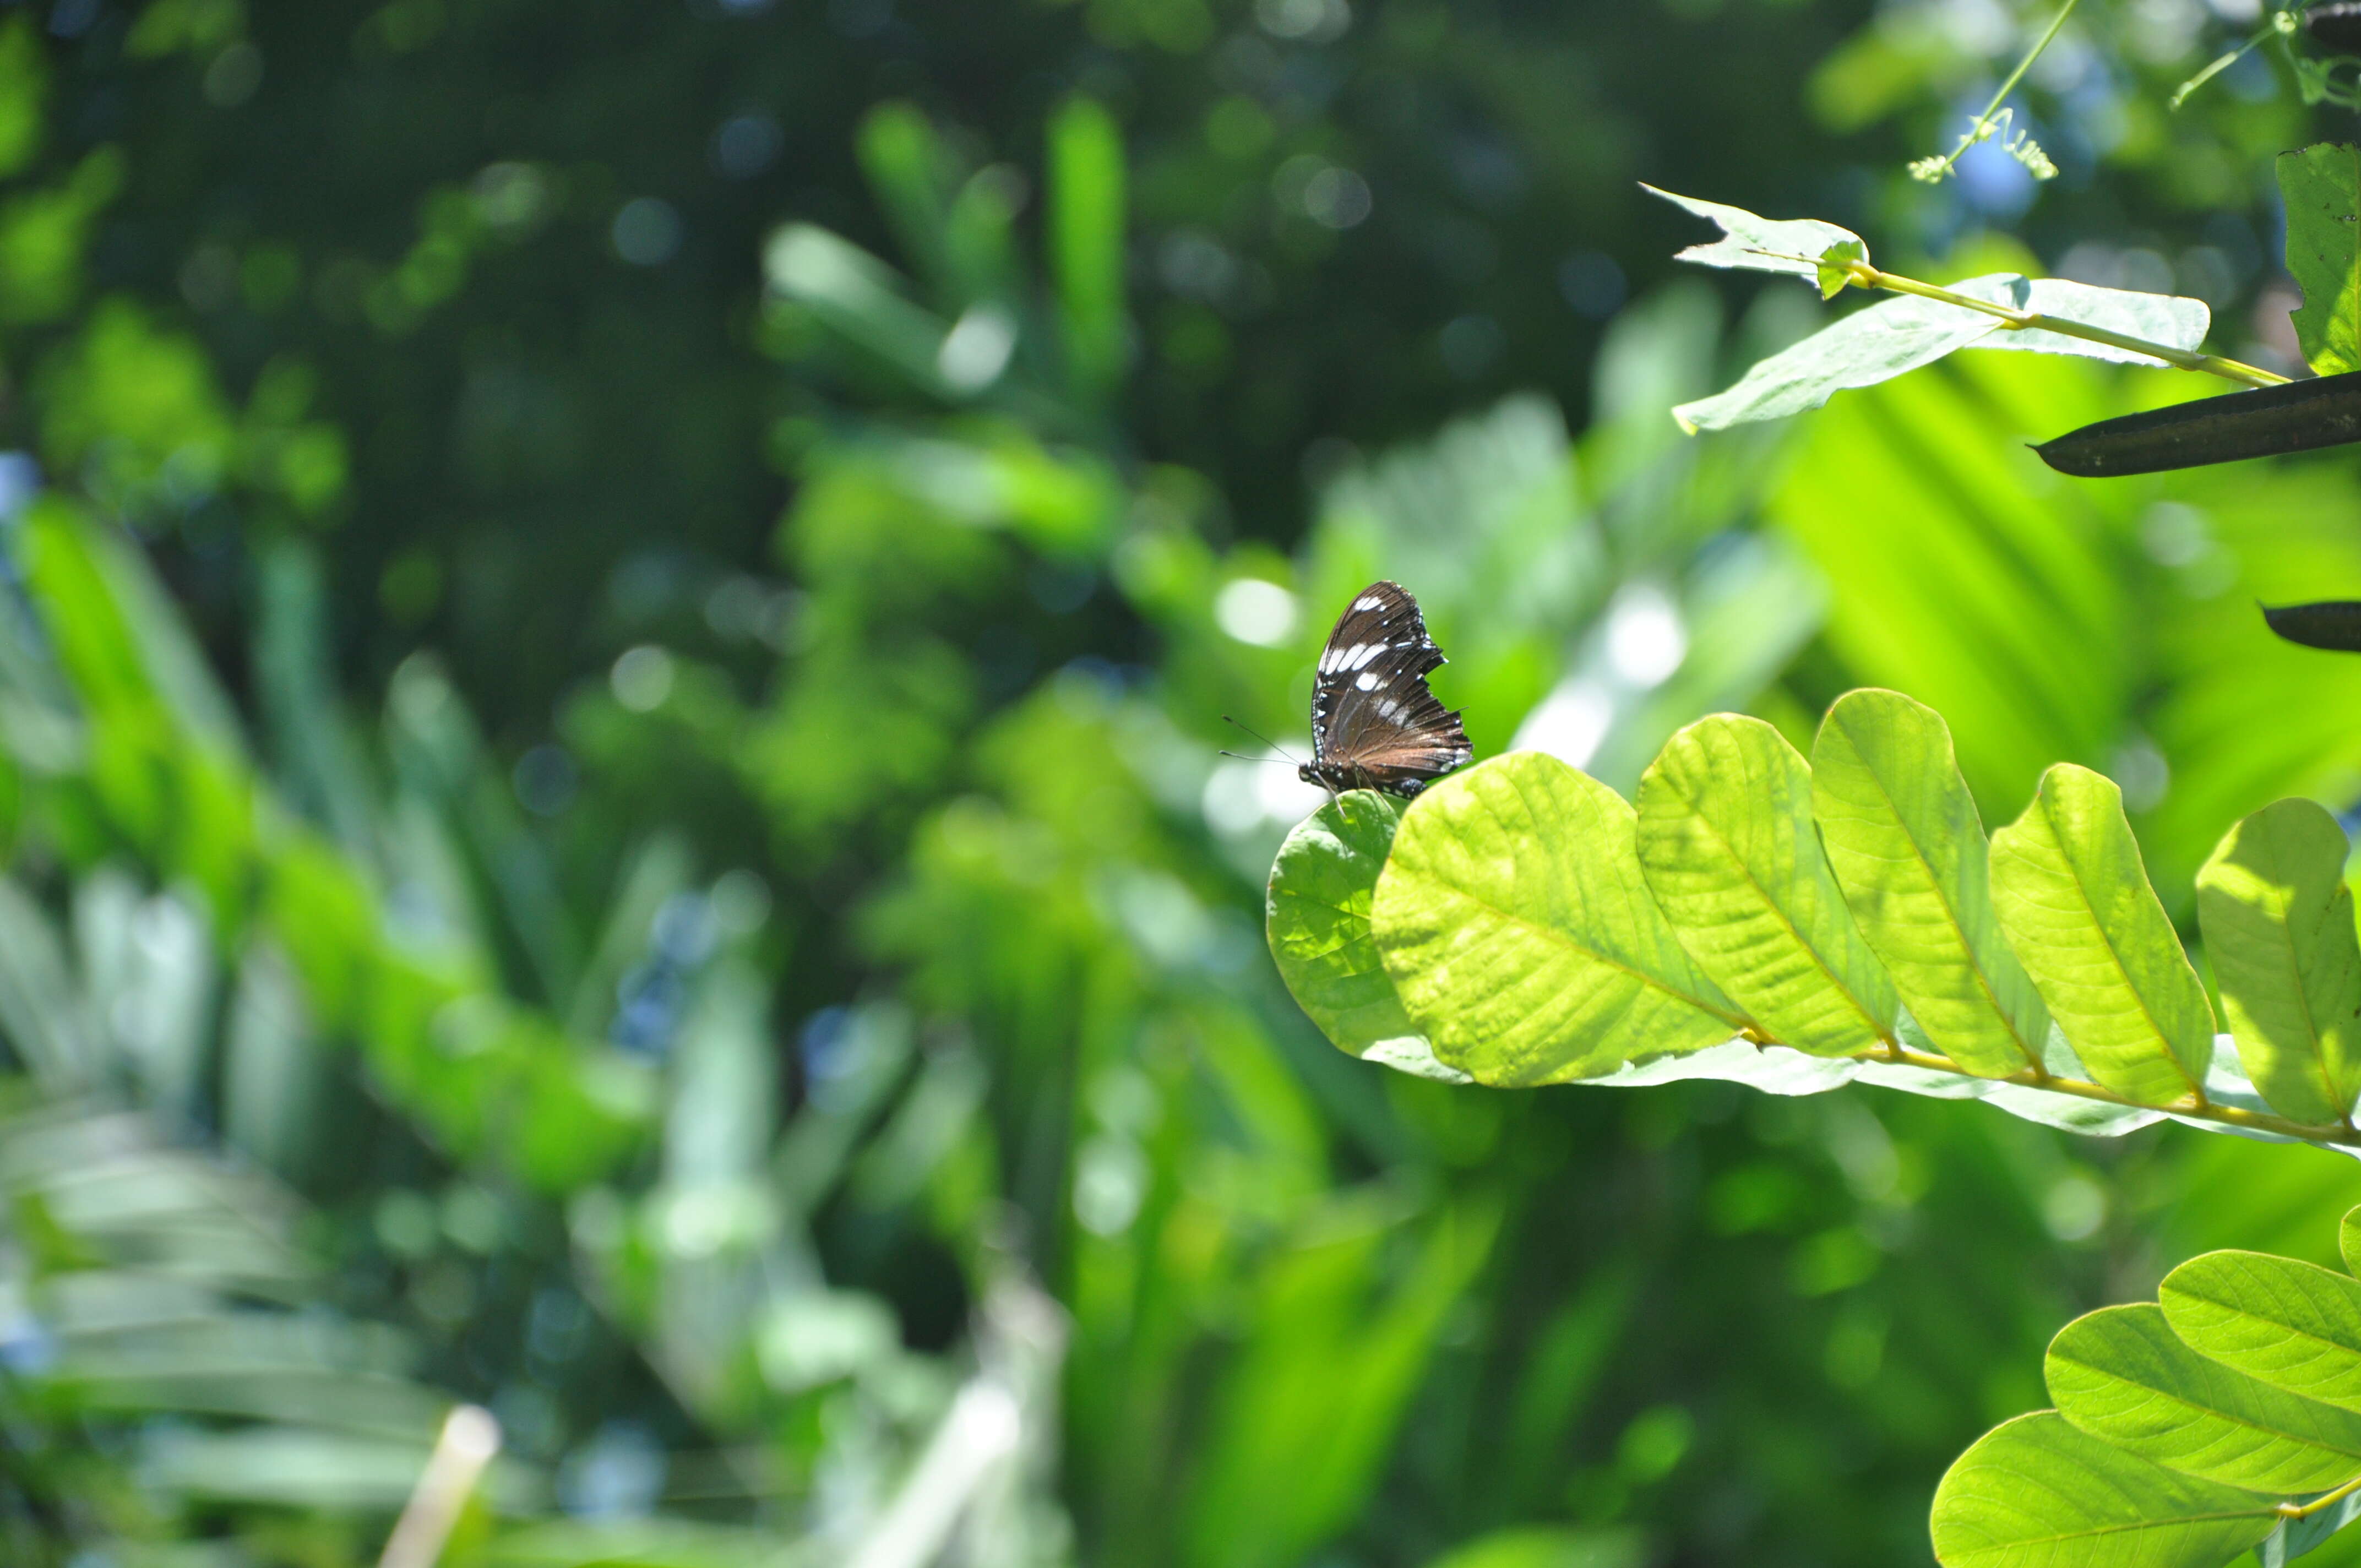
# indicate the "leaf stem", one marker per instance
pixel 1981 127
pixel 1869 277
pixel 2282 24
pixel 2196 1107
pixel 2326 1499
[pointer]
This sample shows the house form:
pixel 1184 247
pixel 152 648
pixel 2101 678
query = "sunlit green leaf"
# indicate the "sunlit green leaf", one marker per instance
pixel 1836 265
pixel 1793 246
pixel 1318 923
pixel 2279 926
pixel 2036 1493
pixel 2321 187
pixel 1874 343
pixel 1520 936
pixel 1728 846
pixel 1086 206
pixel 2122 1375
pixel 2295 1325
pixel 2075 902
pixel 1907 847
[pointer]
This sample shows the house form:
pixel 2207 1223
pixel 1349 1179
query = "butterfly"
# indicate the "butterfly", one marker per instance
pixel 1374 723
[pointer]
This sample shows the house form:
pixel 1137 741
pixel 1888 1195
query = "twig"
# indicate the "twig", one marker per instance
pixel 1933 170
pixel 1869 277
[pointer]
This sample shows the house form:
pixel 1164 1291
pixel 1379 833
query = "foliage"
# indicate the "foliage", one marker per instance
pixel 773 1011
pixel 2048 316
pixel 1537 929
pixel 2218 1418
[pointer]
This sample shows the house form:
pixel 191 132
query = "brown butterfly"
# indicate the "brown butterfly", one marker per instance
pixel 1374 723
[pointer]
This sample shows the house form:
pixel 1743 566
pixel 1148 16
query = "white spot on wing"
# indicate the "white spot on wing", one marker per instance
pixel 1367 680
pixel 1387 708
pixel 1367 601
pixel 1361 654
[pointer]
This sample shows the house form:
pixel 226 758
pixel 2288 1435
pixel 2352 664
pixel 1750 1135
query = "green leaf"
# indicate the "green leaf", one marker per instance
pixel 1550 1546
pixel 1792 246
pixel 2036 1493
pixel 1903 835
pixel 908 170
pixel 1836 265
pixel 1728 846
pixel 2075 901
pixel 2279 926
pixel 2322 185
pixel 2296 1326
pixel 1520 936
pixel 1086 237
pixel 1317 920
pixel 1902 334
pixel 2348 1241
pixel 862 299
pixel 2121 1373
pixel 1872 344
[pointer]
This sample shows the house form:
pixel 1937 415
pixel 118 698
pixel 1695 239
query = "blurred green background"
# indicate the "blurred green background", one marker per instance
pixel 616 623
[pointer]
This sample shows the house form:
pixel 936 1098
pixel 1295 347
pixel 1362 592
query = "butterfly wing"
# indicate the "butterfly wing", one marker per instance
pixel 1374 722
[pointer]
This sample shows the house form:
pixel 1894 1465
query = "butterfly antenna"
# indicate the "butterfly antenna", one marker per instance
pixel 1283 755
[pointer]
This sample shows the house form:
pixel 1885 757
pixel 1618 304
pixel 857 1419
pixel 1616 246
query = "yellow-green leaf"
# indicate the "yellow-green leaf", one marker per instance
pixel 2038 1493
pixel 1903 835
pixel 1520 938
pixel 1728 846
pixel 2122 1375
pixel 2074 900
pixel 2296 1326
pixel 2279 926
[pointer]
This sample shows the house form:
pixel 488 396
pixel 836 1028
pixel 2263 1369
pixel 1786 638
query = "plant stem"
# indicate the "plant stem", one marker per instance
pixel 2281 24
pixel 1868 277
pixel 1981 125
pixel 2195 1108
pixel 2326 1499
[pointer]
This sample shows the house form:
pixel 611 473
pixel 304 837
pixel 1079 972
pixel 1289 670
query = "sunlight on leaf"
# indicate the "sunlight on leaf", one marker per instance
pixel 1729 846
pixel 2075 901
pixel 2279 926
pixel 1515 924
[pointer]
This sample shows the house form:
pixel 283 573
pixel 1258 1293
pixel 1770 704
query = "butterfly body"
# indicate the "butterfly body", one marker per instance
pixel 1375 725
